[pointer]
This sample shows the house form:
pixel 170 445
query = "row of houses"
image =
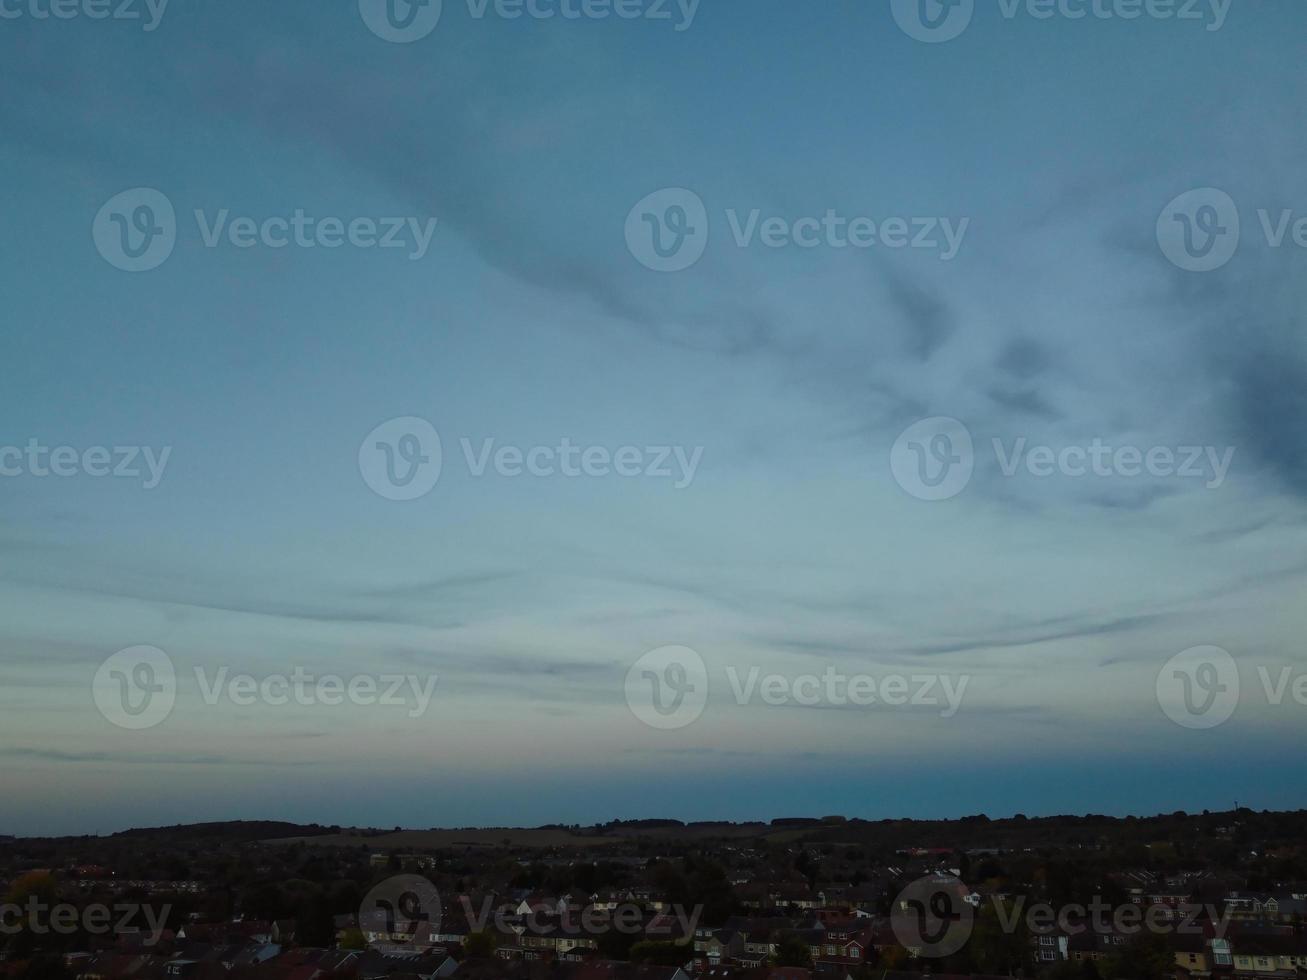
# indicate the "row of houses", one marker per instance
pixel 195 963
pixel 1202 948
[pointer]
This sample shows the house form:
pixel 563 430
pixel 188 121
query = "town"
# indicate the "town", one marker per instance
pixel 1212 896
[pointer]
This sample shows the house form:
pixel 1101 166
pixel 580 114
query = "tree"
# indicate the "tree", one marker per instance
pixel 660 954
pixel 480 945
pixel 35 884
pixel 892 958
pixel 1000 943
pixel 1146 957
pixel 31 898
pixel 45 968
pixel 616 944
pixel 792 951
pixel 314 925
pixel 353 939
pixel 1069 970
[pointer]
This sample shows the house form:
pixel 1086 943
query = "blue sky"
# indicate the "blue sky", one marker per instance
pixel 529 320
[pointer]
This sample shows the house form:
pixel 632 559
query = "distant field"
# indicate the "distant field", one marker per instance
pixel 481 837
pixel 535 837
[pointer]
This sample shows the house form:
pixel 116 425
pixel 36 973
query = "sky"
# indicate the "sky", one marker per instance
pixel 570 371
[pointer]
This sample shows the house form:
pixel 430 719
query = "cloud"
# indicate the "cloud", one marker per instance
pixel 140 758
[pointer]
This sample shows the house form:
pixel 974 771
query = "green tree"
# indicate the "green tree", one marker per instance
pixel 45 968
pixel 1146 957
pixel 1000 939
pixel 39 885
pixel 314 925
pixel 792 951
pixel 660 954
pixel 353 939
pixel 480 945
